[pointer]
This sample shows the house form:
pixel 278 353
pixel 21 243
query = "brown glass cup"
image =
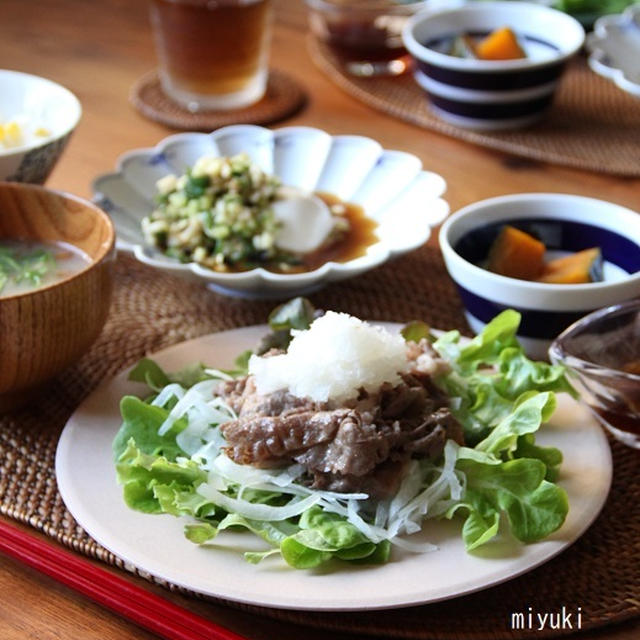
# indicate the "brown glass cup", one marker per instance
pixel 366 35
pixel 213 54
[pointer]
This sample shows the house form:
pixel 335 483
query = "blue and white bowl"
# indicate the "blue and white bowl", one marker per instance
pixel 42 103
pixel 492 94
pixel 390 186
pixel 565 223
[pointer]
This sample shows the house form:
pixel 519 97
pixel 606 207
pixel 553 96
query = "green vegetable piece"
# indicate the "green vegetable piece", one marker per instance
pixel 416 331
pixel 358 552
pixel 178 501
pixel 139 495
pixel 274 340
pixel 190 375
pixel 487 346
pixel 527 417
pixel 271 532
pixel 241 363
pixel 200 532
pixel 535 508
pixel 150 373
pixel 596 7
pixel 254 557
pixel 301 556
pixel 304 550
pixel 550 456
pixel 140 473
pixel 32 266
pixel 196 186
pixel 380 555
pixel 486 396
pixel 325 535
pixel 141 422
pixel 333 529
pixel 478 529
pixel 297 313
pixel 519 374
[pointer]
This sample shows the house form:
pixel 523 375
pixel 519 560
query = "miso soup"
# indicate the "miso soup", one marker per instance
pixel 27 265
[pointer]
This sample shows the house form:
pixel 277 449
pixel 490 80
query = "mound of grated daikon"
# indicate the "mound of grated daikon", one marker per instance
pixel 338 355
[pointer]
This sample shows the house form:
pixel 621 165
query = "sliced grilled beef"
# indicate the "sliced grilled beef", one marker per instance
pixel 244 399
pixel 269 440
pixel 360 447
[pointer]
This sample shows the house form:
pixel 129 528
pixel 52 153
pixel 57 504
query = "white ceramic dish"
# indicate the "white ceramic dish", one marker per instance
pixel 155 544
pixel 390 185
pixel 615 49
pixel 42 103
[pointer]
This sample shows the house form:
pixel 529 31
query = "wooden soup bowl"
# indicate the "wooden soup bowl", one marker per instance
pixel 45 330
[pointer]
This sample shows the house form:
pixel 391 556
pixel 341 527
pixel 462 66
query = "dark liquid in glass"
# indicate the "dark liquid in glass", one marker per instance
pixel 210 47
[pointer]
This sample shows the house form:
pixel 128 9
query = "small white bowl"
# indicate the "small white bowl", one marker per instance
pixel 492 94
pixel 565 223
pixel 615 49
pixel 42 103
pixel 390 186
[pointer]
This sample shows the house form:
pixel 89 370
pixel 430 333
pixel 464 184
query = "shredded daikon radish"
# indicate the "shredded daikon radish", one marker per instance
pixel 256 511
pixel 252 476
pixel 375 534
pixel 168 392
pixel 411 485
pixel 217 373
pixel 202 391
pixel 382 513
pixel 427 490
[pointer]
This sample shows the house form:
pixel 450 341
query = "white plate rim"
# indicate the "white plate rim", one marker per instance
pixel 344 590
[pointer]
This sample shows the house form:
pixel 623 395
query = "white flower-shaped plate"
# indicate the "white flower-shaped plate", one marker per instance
pixel 391 186
pixel 615 49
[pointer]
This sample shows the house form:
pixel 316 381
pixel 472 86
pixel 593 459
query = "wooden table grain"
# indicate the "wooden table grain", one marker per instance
pixel 98 50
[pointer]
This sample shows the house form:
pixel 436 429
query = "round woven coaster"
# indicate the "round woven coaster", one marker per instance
pixel 592 124
pixel 151 310
pixel 283 97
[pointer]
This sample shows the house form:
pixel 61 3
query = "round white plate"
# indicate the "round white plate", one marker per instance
pixel 155 543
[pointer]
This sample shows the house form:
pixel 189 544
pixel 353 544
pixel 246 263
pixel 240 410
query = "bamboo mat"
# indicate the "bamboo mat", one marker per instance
pixel 151 311
pixel 282 99
pixel 592 124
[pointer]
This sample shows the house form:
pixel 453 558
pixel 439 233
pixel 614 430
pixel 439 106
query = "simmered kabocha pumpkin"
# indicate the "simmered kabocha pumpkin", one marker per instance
pixel 577 268
pixel 501 44
pixel 516 254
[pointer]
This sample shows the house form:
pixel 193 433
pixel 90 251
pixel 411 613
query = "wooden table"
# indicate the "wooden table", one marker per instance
pixel 98 50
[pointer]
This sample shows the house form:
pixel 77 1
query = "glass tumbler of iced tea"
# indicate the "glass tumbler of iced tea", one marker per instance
pixel 212 54
pixel 365 35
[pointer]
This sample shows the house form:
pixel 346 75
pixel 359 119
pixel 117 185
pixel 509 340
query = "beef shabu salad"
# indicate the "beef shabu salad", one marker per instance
pixel 339 439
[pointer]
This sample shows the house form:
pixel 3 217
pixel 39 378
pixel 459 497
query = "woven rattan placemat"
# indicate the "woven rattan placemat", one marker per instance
pixel 150 311
pixel 592 124
pixel 283 97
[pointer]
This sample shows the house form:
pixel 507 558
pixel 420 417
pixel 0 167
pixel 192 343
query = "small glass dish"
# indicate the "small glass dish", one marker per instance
pixel 366 35
pixel 602 355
